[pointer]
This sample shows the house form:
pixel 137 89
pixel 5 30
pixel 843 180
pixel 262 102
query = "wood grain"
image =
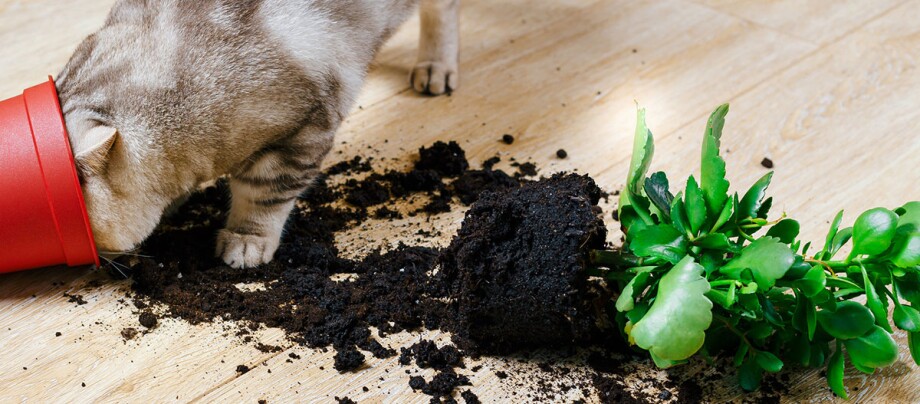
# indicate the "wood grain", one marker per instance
pixel 829 92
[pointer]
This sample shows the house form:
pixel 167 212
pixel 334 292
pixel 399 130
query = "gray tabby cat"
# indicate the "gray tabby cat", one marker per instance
pixel 173 94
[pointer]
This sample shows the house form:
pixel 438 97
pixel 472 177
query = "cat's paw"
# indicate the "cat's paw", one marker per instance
pixel 245 250
pixel 435 78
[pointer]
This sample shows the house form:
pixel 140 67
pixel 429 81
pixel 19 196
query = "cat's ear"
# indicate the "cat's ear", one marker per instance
pixel 93 158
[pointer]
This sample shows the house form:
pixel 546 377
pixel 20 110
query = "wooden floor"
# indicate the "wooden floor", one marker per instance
pixel 829 90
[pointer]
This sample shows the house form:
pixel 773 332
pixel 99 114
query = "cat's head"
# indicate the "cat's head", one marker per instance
pixel 124 207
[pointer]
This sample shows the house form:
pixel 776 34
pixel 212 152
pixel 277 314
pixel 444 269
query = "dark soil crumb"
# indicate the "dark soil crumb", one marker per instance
pixel 428 355
pixel 148 320
pixel 129 333
pixel 267 348
pixel 78 299
pixel 525 169
pixel 507 139
pixel 561 153
pixel 501 374
pixel 345 400
pixel 57 334
pixel 242 369
pixel 504 300
pixel 766 163
pixel 349 359
pixel 469 397
pixel 448 159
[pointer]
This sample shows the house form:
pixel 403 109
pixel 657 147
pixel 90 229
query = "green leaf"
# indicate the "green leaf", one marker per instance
pixel 786 230
pixel 905 248
pixel 660 241
pixel 643 150
pixel 664 363
pixel 767 258
pixel 740 354
pixel 712 173
pixel 674 327
pixel 637 284
pixel 768 361
pixel 909 214
pixel 835 374
pixel 696 206
pixel 840 239
pixel 679 216
pixel 750 375
pixel 656 188
pixel 724 216
pixel 753 199
pixel 830 235
pixel 874 303
pixel 909 287
pixel 873 231
pixel 913 342
pixel 875 349
pixel 721 298
pixel 851 320
pixel 714 241
pixel 813 282
pixel 906 318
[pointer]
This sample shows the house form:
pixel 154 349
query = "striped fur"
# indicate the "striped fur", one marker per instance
pixel 173 94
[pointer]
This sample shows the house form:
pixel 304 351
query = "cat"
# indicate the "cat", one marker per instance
pixel 172 94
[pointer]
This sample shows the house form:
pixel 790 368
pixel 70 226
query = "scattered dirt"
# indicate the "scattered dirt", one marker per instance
pixel 78 299
pixel 766 163
pixel 129 333
pixel 561 153
pixel 148 320
pixel 513 278
pixel 507 139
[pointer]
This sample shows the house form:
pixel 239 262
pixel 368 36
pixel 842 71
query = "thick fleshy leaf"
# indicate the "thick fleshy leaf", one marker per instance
pixel 767 258
pixel 724 216
pixel 813 282
pixel 905 248
pixel 906 318
pixel 643 150
pixel 909 214
pixel 627 299
pixel 769 362
pixel 909 287
pixel 753 199
pixel 831 233
pixel 786 230
pixel 679 215
pixel 712 170
pixel 851 320
pixel 695 205
pixel 656 188
pixel 873 231
pixel 659 241
pixel 835 374
pixel 840 239
pixel 674 327
pixel 875 349
pixel 715 241
pixel 750 375
pixel 875 303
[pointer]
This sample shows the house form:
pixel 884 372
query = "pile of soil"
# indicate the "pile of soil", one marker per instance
pixel 517 268
pixel 513 278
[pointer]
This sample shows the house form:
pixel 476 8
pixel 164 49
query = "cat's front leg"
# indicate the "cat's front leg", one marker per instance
pixel 437 70
pixel 263 193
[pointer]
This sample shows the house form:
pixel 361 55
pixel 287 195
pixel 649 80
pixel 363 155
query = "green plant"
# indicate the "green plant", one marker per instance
pixel 697 276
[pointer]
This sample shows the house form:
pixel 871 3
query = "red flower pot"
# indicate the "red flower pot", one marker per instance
pixel 43 220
